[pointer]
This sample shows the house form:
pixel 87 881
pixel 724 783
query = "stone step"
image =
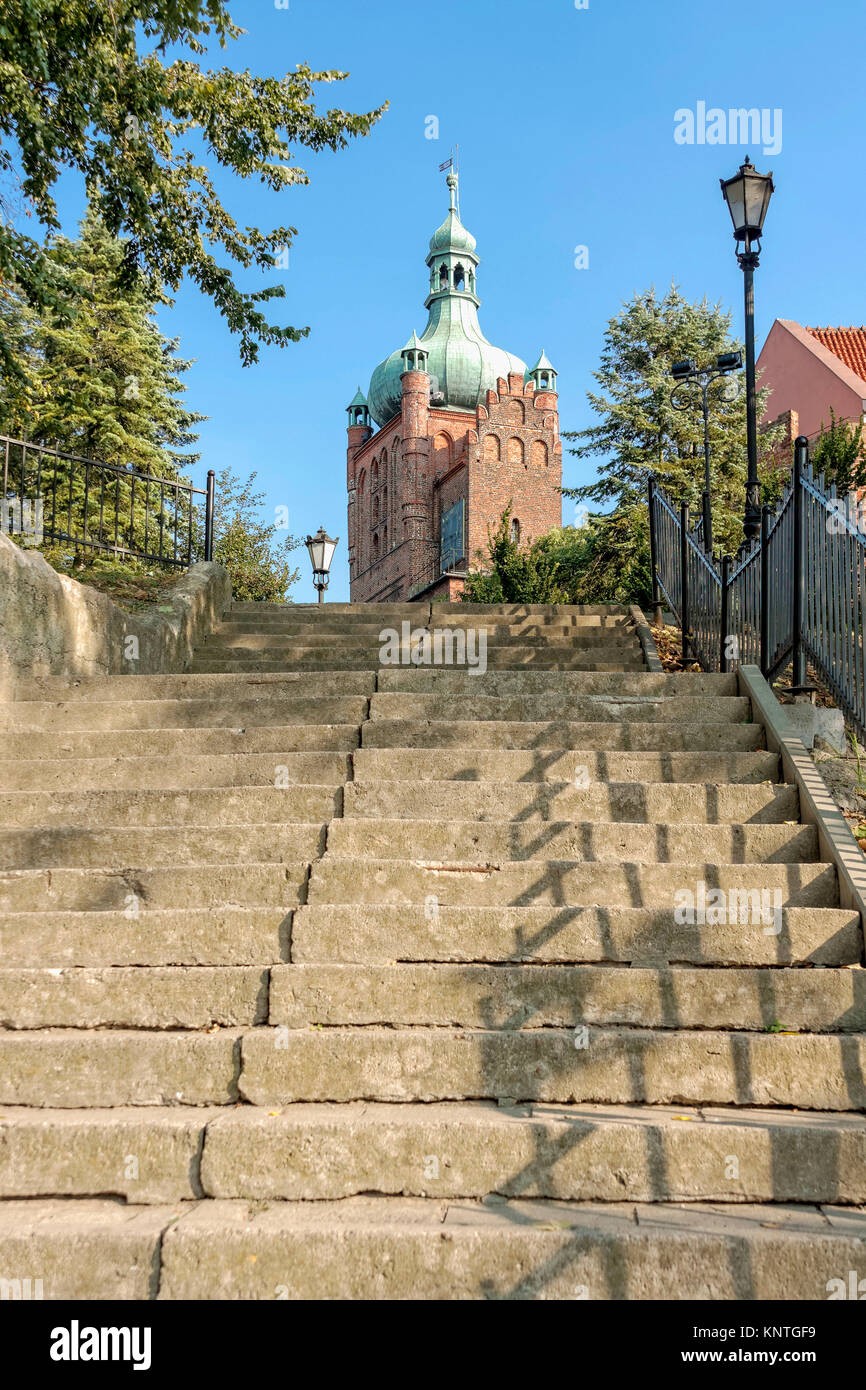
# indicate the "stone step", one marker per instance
pixel 494 841
pixel 243 842
pixel 577 707
pixel 191 936
pixel 161 997
pixel 561 883
pixel 554 611
pixel 200 806
pixel 655 803
pixel 575 627
pixel 272 709
pixel 494 997
pixel 386 933
pixel 171 886
pixel 341 659
pixel 227 686
pixel 612 1065
pixel 618 688
pixel 75 1068
pixel 364 1248
pixel 578 766
pixel 72 744
pixel 578 1152
pixel 280 641
pixel 314 1152
pixel 637 738
pixel 153 773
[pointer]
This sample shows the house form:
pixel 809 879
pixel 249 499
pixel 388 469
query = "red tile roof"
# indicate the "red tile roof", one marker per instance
pixel 848 344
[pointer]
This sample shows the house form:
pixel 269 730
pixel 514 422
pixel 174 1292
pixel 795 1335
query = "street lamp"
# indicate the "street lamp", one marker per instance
pixel 686 371
pixel 748 195
pixel 321 549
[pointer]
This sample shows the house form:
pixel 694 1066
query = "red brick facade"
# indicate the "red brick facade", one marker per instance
pixel 405 477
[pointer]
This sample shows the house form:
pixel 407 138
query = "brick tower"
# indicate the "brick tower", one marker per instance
pixel 464 429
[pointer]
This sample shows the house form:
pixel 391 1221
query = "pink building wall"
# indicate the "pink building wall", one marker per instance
pixel 806 377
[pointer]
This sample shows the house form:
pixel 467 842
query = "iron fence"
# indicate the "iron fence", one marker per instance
pixel 797 593
pixel 107 507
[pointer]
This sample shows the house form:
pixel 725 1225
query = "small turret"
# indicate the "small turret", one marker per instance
pixel 414 355
pixel 543 374
pixel 357 410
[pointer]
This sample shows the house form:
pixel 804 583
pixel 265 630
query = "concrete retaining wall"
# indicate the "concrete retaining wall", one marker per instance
pixel 50 625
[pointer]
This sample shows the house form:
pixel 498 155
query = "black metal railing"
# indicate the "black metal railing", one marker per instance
pixel 92 506
pixel 797 593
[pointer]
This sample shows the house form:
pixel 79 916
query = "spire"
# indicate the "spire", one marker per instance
pixel 357 409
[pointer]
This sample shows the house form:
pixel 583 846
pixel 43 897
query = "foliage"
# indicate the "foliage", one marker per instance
pixel 258 563
pixel 639 432
pixel 88 86
pixel 607 560
pixel 512 574
pixel 839 454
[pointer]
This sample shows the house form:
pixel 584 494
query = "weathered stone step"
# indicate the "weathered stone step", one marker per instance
pixel 576 706
pixel 578 1152
pixel 72 1068
pixel 386 1248
pixel 72 744
pixel 561 883
pixel 145 1154
pixel 191 936
pixel 655 803
pixel 619 688
pixel 557 611
pixel 229 687
pixel 578 766
pixel 314 1152
pixel 637 738
pixel 347 659
pixel 613 1065
pixel 273 641
pixel 273 708
pixel 574 627
pixel 155 773
pixel 170 886
pixel 243 842
pixel 434 931
pixel 522 996
pixel 200 806
pixel 160 997
pixel 493 841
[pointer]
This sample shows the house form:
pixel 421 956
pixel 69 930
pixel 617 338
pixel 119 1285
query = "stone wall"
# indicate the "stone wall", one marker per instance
pixel 50 625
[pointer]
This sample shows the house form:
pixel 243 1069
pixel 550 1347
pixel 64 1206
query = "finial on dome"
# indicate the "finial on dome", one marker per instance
pixel 453 184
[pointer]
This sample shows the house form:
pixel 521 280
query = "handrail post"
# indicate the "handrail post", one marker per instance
pixel 208 516
pixel 656 596
pixel 766 513
pixel 725 614
pixel 801 459
pixel 684 583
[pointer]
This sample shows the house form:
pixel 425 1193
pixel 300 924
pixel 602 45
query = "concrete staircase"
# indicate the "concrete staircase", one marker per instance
pixel 325 979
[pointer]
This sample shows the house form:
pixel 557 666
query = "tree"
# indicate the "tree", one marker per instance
pixel 640 433
pixel 86 85
pixel 606 560
pixel 839 454
pixel 104 381
pixel 258 564
pixel 512 575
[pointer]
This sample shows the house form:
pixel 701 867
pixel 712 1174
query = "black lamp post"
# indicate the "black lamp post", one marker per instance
pixel 748 195
pixel 686 371
pixel 321 549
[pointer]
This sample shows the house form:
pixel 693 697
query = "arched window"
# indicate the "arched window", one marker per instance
pixel 459 277
pixel 515 530
pixel 442 452
pixel 376 509
pixel 374 474
pixel 375 548
pixel 538 453
pixel 362 481
pixel 515 413
pixel 514 450
pixel 385 540
pixel 443 276
pixel 492 448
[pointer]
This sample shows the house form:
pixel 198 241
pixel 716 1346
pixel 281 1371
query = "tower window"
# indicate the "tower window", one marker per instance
pixel 443 276
pixel 459 277
pixel 515 531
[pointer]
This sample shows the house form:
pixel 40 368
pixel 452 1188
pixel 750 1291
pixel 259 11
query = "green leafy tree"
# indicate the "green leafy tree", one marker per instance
pixel 254 552
pixel 839 454
pixel 639 432
pixel 511 574
pixel 88 86
pixel 606 560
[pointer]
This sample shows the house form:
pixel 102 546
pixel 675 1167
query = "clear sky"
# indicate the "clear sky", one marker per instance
pixel 565 118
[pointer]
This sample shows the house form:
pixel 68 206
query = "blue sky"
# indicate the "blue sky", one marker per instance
pixel 565 122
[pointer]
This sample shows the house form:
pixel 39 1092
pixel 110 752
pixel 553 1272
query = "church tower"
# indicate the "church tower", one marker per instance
pixel 463 430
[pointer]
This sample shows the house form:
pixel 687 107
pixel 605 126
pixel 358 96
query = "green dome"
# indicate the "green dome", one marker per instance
pixel 463 365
